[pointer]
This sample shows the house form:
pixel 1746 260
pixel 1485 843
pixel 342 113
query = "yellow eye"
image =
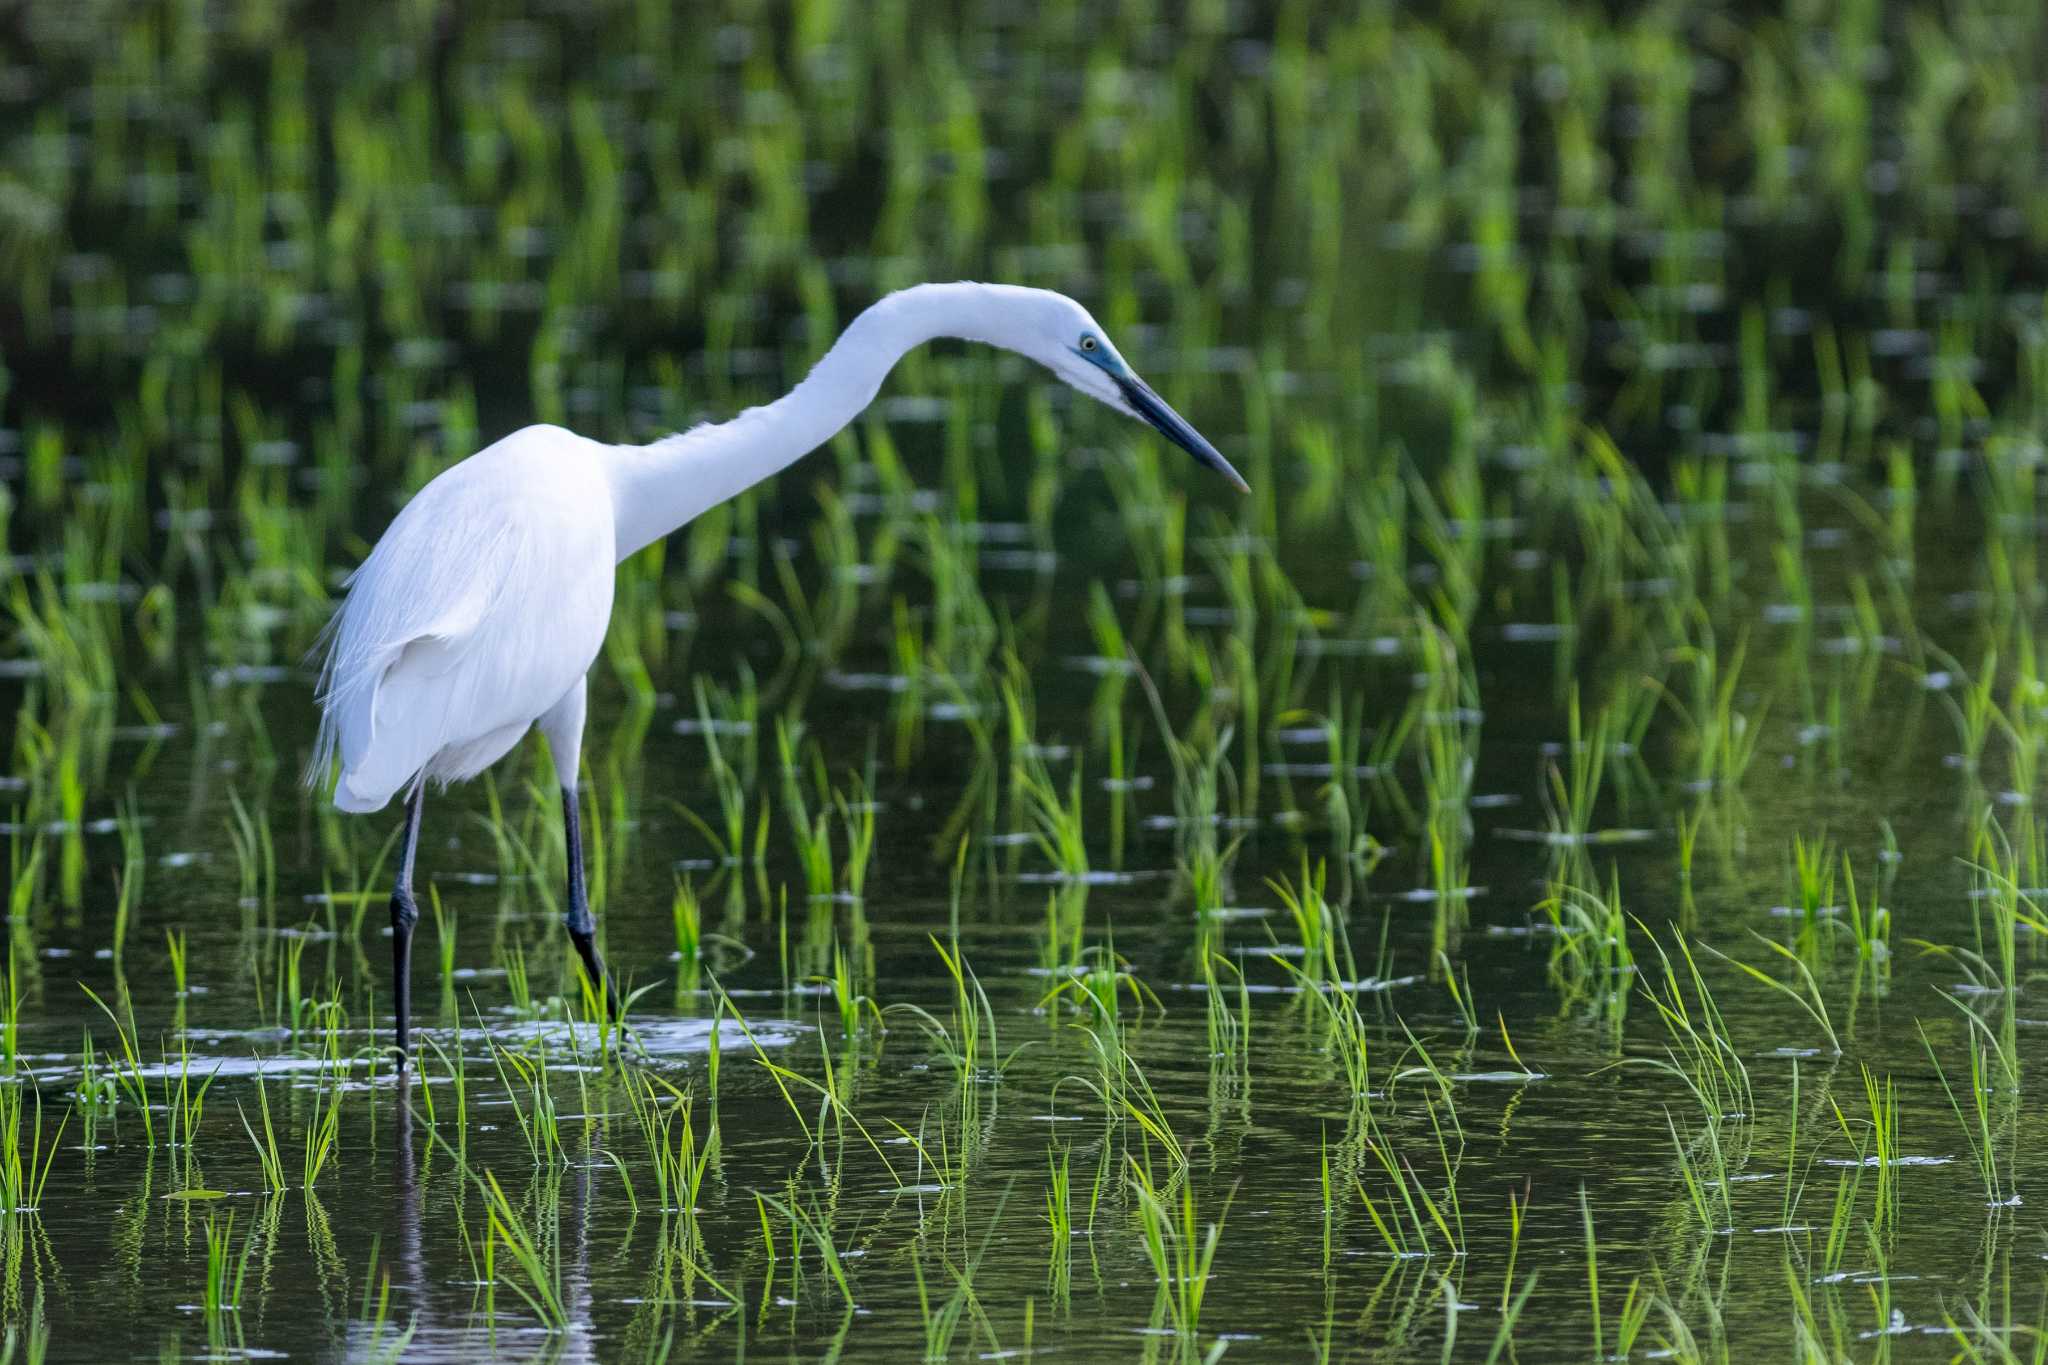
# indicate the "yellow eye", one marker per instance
pixel 1087 343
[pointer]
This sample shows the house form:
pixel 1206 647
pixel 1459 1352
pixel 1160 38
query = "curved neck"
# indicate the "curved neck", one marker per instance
pixel 659 487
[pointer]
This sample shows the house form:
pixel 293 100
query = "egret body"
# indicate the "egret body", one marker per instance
pixel 485 602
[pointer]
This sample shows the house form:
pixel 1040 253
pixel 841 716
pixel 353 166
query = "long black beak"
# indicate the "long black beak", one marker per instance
pixel 1175 428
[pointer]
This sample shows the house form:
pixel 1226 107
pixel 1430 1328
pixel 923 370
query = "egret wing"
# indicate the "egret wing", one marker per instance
pixel 479 608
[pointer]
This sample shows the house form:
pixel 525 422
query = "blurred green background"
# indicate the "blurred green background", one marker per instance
pixel 1644 406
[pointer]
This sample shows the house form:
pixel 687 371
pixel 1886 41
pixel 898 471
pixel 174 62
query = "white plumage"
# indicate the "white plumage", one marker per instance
pixel 477 613
pixel 482 607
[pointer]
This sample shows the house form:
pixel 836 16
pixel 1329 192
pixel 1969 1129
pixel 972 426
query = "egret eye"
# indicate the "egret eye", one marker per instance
pixel 1088 343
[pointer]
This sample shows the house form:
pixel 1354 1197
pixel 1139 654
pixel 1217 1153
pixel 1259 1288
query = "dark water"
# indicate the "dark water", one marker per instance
pixel 108 1236
pixel 1408 273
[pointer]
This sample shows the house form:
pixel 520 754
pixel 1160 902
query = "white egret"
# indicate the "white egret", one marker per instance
pixel 482 606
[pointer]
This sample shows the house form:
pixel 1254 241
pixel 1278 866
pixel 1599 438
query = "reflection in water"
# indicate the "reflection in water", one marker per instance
pixel 412 1259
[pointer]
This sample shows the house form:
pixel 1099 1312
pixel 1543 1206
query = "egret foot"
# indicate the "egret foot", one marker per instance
pixel 404 915
pixel 578 921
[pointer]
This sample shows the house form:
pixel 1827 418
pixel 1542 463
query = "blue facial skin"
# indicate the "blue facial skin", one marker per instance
pixel 1154 410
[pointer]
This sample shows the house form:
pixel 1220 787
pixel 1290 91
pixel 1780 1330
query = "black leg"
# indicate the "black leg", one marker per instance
pixel 582 928
pixel 405 913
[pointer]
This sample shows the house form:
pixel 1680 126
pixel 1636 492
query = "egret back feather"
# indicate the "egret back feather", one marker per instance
pixel 479 608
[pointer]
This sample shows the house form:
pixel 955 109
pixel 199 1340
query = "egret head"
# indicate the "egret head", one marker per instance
pixel 1059 334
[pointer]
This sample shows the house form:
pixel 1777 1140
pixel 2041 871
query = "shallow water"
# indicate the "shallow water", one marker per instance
pixel 1413 274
